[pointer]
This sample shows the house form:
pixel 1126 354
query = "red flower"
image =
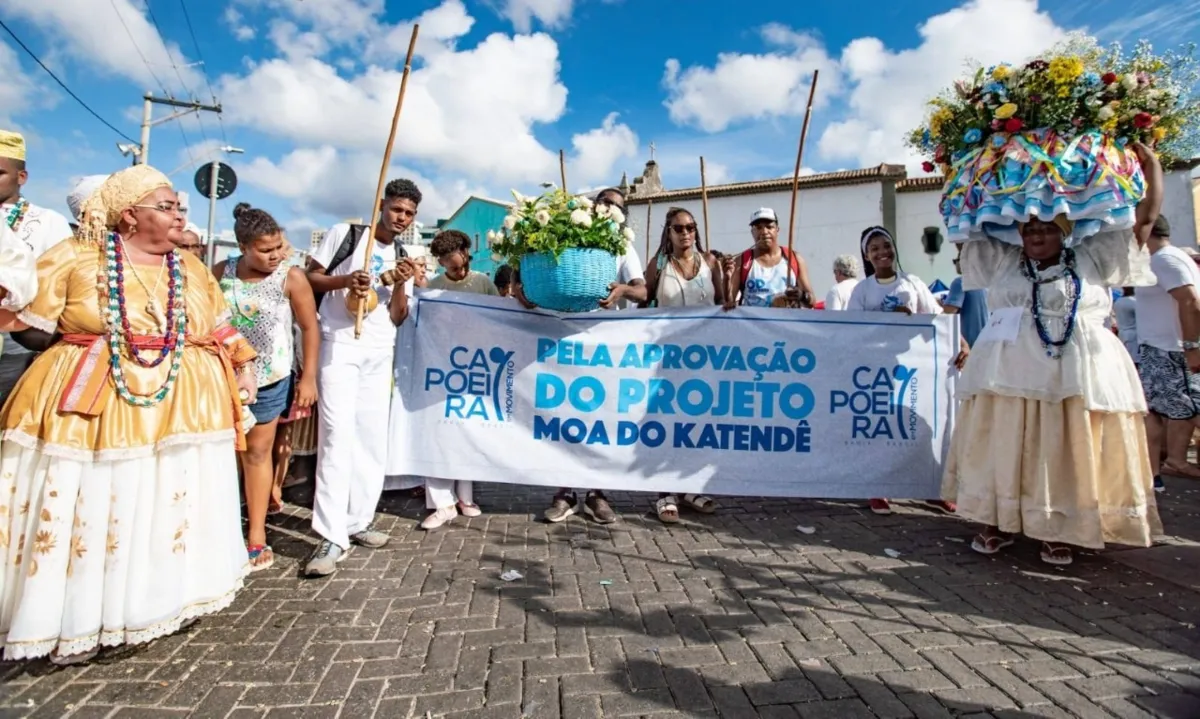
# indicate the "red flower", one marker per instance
pixel 1014 124
pixel 1143 119
pixel 1035 99
pixel 927 166
pixel 1108 78
pixel 997 124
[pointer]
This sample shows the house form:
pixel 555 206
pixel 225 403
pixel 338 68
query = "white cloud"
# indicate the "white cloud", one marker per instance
pixel 552 14
pixel 748 86
pixel 93 30
pixel 890 88
pixel 19 91
pixel 597 151
pixel 241 31
pixel 342 184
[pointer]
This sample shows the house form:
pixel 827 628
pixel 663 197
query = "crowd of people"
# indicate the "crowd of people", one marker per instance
pixel 159 382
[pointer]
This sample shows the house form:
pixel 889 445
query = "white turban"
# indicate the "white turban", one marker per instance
pixel 82 190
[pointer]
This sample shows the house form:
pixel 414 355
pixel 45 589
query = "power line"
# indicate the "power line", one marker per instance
pixel 187 144
pixel 63 85
pixel 142 55
pixel 203 68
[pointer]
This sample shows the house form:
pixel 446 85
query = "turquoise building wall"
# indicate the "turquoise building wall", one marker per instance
pixel 475 217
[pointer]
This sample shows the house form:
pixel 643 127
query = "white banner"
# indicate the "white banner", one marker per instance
pixel 758 402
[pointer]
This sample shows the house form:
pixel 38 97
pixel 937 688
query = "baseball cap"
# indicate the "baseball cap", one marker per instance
pixel 763 213
pixel 1161 228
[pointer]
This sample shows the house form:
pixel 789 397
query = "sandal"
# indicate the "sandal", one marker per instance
pixel 989 544
pixel 700 503
pixel 668 511
pixel 72 659
pixel 1059 555
pixel 274 508
pixel 1185 471
pixel 255 551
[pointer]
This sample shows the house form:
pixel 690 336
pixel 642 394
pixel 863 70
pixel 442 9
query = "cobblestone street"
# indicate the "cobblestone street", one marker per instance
pixel 739 614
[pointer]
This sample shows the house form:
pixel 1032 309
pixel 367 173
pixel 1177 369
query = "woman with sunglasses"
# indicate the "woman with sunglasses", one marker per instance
pixel 680 275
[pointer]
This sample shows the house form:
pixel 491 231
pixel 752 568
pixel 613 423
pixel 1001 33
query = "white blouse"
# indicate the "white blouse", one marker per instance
pixel 1094 364
pixel 675 291
pixel 910 292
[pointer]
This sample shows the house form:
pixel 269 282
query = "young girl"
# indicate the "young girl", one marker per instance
pixel 452 248
pixel 888 288
pixel 679 275
pixel 265 296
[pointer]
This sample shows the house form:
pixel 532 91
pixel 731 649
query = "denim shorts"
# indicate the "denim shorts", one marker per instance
pixel 272 401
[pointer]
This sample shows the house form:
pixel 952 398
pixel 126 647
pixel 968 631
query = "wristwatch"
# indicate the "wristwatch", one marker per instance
pixel 1188 346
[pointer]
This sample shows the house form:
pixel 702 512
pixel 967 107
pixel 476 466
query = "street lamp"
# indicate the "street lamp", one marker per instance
pixel 212 201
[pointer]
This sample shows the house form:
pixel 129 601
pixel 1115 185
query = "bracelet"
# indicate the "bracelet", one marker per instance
pixel 1187 346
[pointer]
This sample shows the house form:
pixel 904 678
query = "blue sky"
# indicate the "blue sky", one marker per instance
pixel 500 85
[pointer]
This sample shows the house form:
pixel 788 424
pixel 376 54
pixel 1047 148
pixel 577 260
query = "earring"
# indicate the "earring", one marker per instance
pixel 132 230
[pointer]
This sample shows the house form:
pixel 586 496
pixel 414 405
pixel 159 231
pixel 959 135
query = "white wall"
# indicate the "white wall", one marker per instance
pixel 914 212
pixel 829 222
pixel 1179 207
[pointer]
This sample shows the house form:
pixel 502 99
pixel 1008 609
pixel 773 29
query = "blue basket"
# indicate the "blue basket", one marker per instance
pixel 575 283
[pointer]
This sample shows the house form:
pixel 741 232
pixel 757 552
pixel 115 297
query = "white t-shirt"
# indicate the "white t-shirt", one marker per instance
pixel 337 324
pixel 839 294
pixel 475 283
pixel 41 229
pixel 909 291
pixel 1157 312
pixel 629 268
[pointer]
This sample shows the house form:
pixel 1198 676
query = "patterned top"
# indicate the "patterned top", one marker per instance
pixel 262 312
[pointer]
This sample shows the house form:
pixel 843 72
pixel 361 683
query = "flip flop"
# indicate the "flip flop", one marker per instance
pixel 1059 556
pixel 254 551
pixel 700 503
pixel 668 512
pixel 992 544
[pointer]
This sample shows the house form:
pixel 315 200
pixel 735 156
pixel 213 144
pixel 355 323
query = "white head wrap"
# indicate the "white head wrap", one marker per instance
pixel 82 190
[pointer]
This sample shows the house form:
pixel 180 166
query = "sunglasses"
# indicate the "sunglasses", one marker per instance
pixel 684 229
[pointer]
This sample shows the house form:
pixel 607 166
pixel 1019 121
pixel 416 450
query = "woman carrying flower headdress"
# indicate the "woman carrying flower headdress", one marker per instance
pixel 1050 439
pixel 119 513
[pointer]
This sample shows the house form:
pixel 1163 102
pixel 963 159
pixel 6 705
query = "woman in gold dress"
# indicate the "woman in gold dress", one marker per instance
pixel 119 514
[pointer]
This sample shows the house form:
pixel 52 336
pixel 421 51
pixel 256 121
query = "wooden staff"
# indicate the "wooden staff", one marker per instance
pixel 361 305
pixel 704 205
pixel 649 206
pixel 562 168
pixel 812 91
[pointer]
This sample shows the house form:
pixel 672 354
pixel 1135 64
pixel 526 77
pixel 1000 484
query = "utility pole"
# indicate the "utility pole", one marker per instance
pixel 187 107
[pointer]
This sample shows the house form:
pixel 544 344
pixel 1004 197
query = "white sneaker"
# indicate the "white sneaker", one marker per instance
pixel 439 517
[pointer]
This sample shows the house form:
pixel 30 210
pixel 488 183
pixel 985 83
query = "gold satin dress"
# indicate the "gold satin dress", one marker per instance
pixel 118 522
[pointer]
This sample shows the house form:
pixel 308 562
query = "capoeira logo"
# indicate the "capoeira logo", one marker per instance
pixel 478 384
pixel 882 403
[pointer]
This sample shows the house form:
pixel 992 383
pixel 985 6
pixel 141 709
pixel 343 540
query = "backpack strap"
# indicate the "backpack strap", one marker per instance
pixel 793 263
pixel 344 250
pixel 747 263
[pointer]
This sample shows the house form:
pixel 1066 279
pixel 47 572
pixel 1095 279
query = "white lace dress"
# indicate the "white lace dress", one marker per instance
pixel 1054 448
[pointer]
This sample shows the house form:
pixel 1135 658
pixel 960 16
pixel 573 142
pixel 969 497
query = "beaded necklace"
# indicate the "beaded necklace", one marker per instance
pixel 16 215
pixel 119 330
pixel 1054 348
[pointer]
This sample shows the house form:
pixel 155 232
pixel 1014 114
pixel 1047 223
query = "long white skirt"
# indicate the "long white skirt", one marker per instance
pixel 118 552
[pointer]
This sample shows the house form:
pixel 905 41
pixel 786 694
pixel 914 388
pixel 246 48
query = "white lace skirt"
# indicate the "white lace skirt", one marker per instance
pixel 117 552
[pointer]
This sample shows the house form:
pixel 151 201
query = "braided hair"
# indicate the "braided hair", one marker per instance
pixel 664 245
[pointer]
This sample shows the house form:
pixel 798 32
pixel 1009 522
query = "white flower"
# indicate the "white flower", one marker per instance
pixel 616 215
pixel 581 217
pixel 603 211
pixel 627 233
pixel 1105 113
pixel 510 222
pixel 518 197
pixel 542 217
pixel 496 258
pixel 585 203
pixel 1130 81
pixel 491 236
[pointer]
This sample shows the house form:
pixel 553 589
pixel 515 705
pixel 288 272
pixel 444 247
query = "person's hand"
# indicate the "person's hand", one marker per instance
pixel 1192 357
pixel 405 270
pixel 728 265
pixel 902 309
pixel 358 282
pixel 306 392
pixel 964 351
pixel 1145 154
pixel 616 291
pixel 730 304
pixel 247 384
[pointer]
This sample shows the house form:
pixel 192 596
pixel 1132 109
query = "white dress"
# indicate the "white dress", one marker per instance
pixel 675 291
pixel 1054 448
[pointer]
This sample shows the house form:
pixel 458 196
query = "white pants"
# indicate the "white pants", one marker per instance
pixel 352 434
pixel 446 492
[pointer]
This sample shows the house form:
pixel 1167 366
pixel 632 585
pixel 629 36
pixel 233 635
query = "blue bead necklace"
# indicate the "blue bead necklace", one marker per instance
pixel 1054 348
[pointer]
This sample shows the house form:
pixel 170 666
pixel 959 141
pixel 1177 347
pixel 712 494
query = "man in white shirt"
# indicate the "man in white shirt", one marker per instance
pixel 37 228
pixel 845 275
pixel 627 291
pixel 766 272
pixel 355 374
pixel 1168 329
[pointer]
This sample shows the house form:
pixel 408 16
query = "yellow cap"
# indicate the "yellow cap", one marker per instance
pixel 12 145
